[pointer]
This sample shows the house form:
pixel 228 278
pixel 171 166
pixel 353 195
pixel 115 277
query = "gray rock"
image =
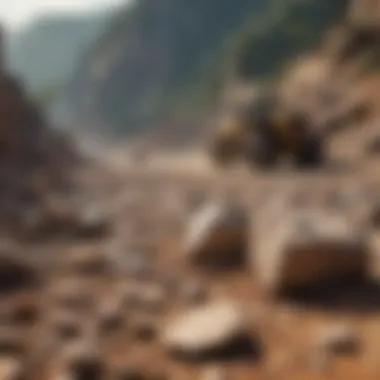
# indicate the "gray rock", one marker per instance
pixel 12 343
pixel 152 297
pixel 90 263
pixel 144 330
pixel 136 266
pixel 111 318
pixel 73 296
pixel 92 223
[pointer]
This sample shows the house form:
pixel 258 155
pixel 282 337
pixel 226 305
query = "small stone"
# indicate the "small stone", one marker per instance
pixel 136 266
pixel 66 326
pixel 82 363
pixel 194 292
pixel 340 339
pixel 152 297
pixel 144 330
pixel 111 319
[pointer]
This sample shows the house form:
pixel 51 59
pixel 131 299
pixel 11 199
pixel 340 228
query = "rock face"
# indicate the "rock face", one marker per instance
pixel 216 236
pixel 307 247
pixel 34 158
pixel 206 332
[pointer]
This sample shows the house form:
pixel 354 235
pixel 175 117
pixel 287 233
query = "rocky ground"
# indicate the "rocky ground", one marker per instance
pixel 123 292
pixel 137 264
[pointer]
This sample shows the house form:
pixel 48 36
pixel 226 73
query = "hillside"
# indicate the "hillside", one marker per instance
pixel 164 58
pixel 46 51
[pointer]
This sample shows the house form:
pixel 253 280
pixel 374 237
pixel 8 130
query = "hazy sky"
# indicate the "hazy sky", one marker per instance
pixel 15 13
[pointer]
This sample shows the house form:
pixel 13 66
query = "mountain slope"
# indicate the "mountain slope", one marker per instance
pixel 167 57
pixel 46 52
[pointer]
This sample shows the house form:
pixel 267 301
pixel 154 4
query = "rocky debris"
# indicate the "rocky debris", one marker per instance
pixel 216 236
pixel 65 326
pixel 340 339
pixel 90 262
pixel 193 292
pixel 92 223
pixel 17 273
pixel 308 247
pixel 217 330
pixel 11 369
pixel 72 296
pixel 111 318
pixel 143 329
pixel 82 362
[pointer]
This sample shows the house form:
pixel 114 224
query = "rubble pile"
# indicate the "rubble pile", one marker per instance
pixel 331 84
pixel 35 160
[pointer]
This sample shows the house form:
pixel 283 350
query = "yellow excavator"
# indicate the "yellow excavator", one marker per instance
pixel 266 131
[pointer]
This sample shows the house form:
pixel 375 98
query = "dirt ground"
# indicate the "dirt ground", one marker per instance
pixel 149 202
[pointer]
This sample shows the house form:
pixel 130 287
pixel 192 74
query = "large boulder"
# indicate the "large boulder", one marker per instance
pixel 298 249
pixel 216 236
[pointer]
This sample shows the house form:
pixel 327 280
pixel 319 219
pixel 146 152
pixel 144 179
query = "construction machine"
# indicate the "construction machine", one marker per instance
pixel 264 132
